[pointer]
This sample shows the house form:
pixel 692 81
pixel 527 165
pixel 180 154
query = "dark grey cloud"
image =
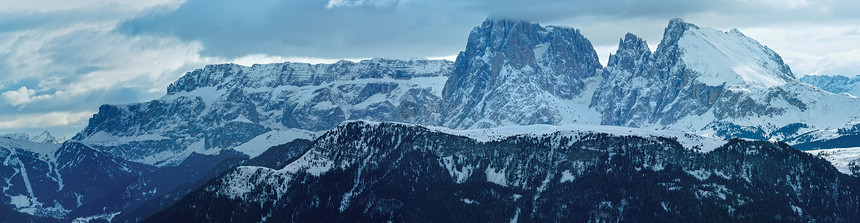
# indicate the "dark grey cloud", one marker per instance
pixel 25 20
pixel 414 28
pixel 408 29
pixel 309 29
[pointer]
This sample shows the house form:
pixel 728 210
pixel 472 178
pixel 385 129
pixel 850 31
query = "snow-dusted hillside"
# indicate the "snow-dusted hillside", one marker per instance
pixel 846 160
pixel 50 180
pixel 397 172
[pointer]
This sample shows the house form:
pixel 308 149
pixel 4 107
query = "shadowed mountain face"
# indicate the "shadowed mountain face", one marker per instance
pixel 394 172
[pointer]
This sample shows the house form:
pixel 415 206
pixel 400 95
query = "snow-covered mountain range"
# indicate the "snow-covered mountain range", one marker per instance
pixel 834 83
pixel 47 179
pixel 44 137
pixel 700 80
pixel 678 106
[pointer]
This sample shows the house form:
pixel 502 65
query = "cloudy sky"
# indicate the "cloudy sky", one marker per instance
pixel 60 59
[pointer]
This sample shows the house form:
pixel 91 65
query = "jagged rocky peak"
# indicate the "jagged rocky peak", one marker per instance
pixel 305 74
pixel 44 137
pixel 508 61
pixel 674 31
pixel 562 51
pixel 523 43
pixel 705 79
pixel 632 51
pixel 729 58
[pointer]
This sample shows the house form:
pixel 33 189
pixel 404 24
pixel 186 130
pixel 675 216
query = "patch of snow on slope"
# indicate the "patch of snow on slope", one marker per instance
pixel 312 162
pixel 375 99
pixel 728 57
pixel 540 49
pixel 567 176
pixel 458 174
pixel 172 158
pixel 106 139
pixel 245 179
pixel 496 176
pixel 208 94
pixel 261 143
pixel 106 217
pixel 46 149
pixel 577 110
pixel 840 157
pixel 20 201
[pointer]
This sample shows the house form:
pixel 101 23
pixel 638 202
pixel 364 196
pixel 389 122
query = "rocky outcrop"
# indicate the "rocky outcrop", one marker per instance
pixel 517 72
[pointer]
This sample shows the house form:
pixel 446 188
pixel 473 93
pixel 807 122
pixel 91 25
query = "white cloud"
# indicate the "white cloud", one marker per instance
pixel 56 5
pixel 603 52
pixel 45 120
pixel 23 96
pixel 844 63
pixel 791 4
pixel 82 58
pixel 813 48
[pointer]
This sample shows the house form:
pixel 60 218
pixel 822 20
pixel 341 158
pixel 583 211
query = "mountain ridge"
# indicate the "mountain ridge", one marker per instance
pixel 511 73
pixel 370 171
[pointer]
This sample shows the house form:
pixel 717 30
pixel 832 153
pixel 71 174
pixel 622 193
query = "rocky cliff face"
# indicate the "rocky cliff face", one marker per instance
pixel 516 72
pixel 224 106
pixel 394 172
